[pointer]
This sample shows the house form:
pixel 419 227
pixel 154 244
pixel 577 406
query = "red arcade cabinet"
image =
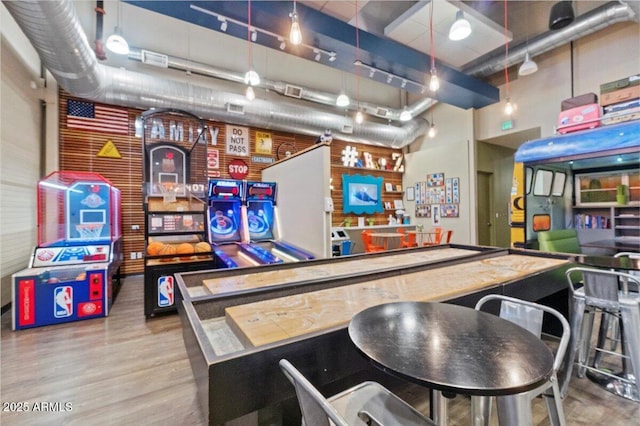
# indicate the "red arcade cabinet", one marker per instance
pixel 73 271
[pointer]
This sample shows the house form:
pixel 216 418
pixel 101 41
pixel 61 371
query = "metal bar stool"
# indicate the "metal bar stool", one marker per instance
pixel 605 292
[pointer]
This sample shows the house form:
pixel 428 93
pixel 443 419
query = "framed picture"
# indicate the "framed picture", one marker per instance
pixel 411 195
pixel 398 205
pixel 361 194
pixel 435 215
pixel 388 186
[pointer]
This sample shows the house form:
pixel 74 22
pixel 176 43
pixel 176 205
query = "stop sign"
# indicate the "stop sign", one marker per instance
pixel 238 169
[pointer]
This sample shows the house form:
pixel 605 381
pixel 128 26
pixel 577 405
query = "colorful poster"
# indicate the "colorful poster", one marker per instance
pixel 264 143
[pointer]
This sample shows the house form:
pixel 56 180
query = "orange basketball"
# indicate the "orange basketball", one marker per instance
pixel 203 247
pixel 185 248
pixel 154 248
pixel 167 250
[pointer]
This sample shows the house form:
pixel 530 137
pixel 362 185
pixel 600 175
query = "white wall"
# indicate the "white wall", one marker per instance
pixel 605 56
pixel 451 152
pixel 303 185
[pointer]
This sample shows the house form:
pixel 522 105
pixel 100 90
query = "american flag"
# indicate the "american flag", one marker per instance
pixel 97 118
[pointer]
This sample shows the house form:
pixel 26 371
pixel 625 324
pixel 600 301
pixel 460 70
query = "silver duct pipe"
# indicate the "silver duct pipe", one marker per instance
pixel 308 94
pixel 588 23
pixel 54 30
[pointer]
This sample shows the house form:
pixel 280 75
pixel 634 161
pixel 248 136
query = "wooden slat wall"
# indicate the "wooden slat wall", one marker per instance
pixel 79 151
pixel 337 170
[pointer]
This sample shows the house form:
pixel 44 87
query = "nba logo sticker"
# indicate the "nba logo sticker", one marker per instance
pixel 165 291
pixel 63 301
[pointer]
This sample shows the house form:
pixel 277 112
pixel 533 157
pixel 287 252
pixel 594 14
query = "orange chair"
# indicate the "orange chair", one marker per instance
pixel 367 240
pixel 408 240
pixel 437 239
pixel 449 234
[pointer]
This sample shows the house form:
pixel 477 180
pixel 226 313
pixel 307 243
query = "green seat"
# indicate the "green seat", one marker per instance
pixel 562 240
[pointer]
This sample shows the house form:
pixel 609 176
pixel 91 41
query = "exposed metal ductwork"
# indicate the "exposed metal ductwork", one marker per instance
pixel 283 88
pixel 55 31
pixel 588 23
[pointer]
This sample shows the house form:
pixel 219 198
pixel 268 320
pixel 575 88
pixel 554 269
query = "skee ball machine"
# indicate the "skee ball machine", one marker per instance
pixel 263 224
pixel 73 273
pixel 227 227
pixel 174 203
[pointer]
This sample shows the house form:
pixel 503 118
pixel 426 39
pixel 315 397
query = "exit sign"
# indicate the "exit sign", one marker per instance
pixel 507 125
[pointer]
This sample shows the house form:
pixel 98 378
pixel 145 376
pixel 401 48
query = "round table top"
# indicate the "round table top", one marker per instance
pixel 386 234
pixel 451 348
pixel 622 263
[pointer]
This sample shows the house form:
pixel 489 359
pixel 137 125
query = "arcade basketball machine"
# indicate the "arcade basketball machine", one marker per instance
pixel 175 185
pixel 262 220
pixel 227 227
pixel 73 273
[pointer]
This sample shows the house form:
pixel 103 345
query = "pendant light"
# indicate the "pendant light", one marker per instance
pixel 528 66
pixel 251 78
pixel 561 15
pixel 342 100
pixel 432 128
pixel 434 83
pixel 461 28
pixel 405 115
pixel 295 35
pixel 116 41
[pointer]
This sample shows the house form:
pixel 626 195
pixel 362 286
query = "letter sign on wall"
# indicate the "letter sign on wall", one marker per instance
pixel 238 169
pixel 238 141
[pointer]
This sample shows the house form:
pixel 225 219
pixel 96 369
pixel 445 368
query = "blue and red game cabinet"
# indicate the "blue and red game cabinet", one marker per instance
pixel 73 273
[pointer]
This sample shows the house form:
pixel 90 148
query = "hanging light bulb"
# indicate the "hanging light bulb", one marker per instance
pixel 460 29
pixel 295 35
pixel 432 131
pixel 405 115
pixel 508 107
pixel 434 83
pixel 528 66
pixel 251 78
pixel 359 117
pixel 250 94
pixel 342 100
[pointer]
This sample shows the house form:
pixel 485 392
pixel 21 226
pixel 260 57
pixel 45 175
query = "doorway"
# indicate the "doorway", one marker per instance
pixel 484 195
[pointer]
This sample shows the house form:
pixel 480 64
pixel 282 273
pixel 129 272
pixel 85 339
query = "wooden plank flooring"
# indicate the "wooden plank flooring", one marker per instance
pixel 125 370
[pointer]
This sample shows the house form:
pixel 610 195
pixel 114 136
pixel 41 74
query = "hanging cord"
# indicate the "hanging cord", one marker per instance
pixel 433 58
pixel 506 49
pixel 249 36
pixel 357 59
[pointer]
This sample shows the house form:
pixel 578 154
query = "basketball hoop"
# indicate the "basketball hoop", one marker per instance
pixel 89 231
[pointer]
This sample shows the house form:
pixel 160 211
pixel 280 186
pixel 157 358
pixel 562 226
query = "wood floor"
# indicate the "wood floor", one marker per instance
pixel 125 370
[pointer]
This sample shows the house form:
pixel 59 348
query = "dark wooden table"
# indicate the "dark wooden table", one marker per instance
pixel 451 349
pixel 622 263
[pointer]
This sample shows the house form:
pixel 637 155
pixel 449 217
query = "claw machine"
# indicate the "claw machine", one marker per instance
pixel 73 273
pixel 175 188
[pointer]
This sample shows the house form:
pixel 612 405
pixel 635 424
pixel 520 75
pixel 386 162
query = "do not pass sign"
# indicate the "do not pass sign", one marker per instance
pixel 238 169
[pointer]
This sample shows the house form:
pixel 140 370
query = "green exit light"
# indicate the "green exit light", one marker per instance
pixel 507 125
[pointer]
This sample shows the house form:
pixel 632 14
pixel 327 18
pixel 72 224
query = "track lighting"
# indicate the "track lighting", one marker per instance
pixel 223 24
pixel 283 45
pixel 460 29
pixel 254 35
pixel 317 57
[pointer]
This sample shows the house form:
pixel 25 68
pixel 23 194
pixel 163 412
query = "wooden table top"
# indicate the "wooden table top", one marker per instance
pixel 451 348
pixel 346 268
pixel 385 234
pixel 273 320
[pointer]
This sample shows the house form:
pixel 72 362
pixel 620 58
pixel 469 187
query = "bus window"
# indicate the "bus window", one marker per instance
pixel 558 184
pixel 528 177
pixel 542 182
